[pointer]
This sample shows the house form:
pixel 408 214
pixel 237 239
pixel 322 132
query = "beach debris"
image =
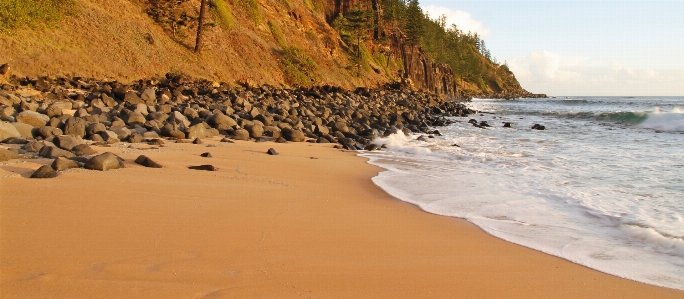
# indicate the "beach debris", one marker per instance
pixel 206 167
pixel 206 155
pixel 44 172
pixel 104 162
pixel 272 152
pixel 147 162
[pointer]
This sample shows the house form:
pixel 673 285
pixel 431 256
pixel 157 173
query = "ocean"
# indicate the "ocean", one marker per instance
pixel 602 186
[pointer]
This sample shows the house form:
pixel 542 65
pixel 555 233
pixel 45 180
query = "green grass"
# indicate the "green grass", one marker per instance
pixel 299 68
pixel 19 13
pixel 251 7
pixel 277 34
pixel 224 16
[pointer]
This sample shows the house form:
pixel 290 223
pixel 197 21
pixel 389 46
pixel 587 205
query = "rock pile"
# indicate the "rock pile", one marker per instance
pixel 64 112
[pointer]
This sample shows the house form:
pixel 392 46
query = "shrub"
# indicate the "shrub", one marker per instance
pixel 277 34
pixel 224 16
pixel 299 68
pixel 251 7
pixel 19 13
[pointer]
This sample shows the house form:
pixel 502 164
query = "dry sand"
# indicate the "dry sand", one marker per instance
pixel 284 226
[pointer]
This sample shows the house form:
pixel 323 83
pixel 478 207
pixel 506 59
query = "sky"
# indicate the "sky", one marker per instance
pixel 580 48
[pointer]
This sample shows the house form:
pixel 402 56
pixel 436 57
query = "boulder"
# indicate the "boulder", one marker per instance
pixel 197 141
pixel 75 126
pixel 538 127
pixel 149 96
pixel 109 136
pixel 83 150
pixel 48 132
pixel 6 155
pixel 147 162
pixel 54 152
pixel 180 118
pixel 14 140
pixel 293 135
pixel 122 133
pixel 272 152
pixel 7 130
pixel 196 131
pixel 33 146
pixel 241 134
pixel 133 118
pixel 136 138
pixel 132 98
pixel 44 172
pixel 508 125
pixel 104 161
pixel 25 130
pixel 67 142
pixel 255 131
pixel 221 121
pixel 32 118
pixel 95 128
pixel 60 164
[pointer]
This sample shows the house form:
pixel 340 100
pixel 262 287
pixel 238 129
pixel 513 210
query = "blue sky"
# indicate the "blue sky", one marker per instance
pixel 565 48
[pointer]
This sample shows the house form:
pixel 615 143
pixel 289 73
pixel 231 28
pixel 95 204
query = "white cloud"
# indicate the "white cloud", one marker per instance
pixel 463 20
pixel 556 74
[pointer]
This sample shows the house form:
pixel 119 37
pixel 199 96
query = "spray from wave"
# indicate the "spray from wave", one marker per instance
pixel 665 121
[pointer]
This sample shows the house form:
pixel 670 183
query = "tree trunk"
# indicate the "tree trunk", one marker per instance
pixel 200 27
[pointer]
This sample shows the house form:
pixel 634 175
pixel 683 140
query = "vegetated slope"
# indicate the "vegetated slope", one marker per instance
pixel 118 39
pixel 276 42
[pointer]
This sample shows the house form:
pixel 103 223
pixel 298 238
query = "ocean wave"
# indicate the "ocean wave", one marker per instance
pixel 665 121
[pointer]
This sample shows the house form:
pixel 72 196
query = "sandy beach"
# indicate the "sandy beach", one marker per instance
pixel 307 223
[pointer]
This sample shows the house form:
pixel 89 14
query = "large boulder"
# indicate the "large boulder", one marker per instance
pixel 122 133
pixel 33 146
pixel 180 119
pixel 7 130
pixel 32 118
pixel 241 134
pixel 6 155
pixel 255 131
pixel 83 150
pixel 25 130
pixel 133 117
pixel 104 161
pixel 75 126
pixel 132 98
pixel 67 142
pixel 147 162
pixel 149 96
pixel 95 128
pixel 172 130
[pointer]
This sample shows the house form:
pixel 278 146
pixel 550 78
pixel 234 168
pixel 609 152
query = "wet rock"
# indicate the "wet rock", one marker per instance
pixel 538 127
pixel 44 172
pixel 83 150
pixel 104 162
pixel 372 147
pixel 508 125
pixel 60 164
pixel 53 152
pixel 272 152
pixel 147 162
pixel 204 167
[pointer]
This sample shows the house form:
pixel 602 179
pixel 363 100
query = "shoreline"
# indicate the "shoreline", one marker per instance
pixel 283 226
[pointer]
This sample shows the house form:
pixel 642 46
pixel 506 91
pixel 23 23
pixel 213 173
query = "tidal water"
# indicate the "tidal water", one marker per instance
pixel 602 186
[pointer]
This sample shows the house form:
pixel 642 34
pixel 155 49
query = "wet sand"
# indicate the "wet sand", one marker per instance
pixel 285 226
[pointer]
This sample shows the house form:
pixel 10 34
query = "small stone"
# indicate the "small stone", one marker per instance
pixel 281 140
pixel 206 155
pixel 104 161
pixel 272 152
pixel 197 141
pixel 60 164
pixel 67 142
pixel 372 147
pixel 147 162
pixel 204 167
pixel 33 146
pixel 44 172
pixel 538 127
pixel 227 140
pixel 508 125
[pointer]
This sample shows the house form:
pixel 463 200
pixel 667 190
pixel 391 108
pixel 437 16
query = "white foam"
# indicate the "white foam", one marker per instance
pixel 665 121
